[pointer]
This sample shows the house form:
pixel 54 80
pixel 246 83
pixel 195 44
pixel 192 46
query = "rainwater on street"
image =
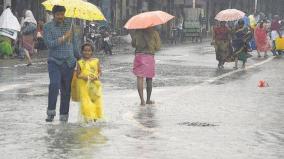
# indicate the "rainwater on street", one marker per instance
pixel 201 112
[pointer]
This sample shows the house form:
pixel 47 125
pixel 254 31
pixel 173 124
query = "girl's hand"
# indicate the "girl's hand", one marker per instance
pixel 83 77
pixel 93 78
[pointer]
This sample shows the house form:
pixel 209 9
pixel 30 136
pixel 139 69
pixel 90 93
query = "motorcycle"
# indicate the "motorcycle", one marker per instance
pixel 106 41
pixel 99 37
pixel 93 36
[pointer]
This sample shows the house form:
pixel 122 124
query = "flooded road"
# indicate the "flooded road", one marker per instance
pixel 200 112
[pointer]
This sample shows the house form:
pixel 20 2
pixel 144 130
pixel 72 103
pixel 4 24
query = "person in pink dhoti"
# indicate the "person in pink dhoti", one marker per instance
pixel 261 39
pixel 146 42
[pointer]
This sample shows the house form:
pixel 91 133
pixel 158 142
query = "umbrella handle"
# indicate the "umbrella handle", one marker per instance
pixel 71 28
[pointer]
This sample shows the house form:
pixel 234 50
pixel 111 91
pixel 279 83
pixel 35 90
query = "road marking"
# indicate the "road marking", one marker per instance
pixel 238 70
pixel 20 65
pixel 14 86
pixel 114 69
pixel 5 67
pixel 38 63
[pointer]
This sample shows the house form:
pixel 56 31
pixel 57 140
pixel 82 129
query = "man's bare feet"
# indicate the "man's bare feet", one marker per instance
pixel 150 102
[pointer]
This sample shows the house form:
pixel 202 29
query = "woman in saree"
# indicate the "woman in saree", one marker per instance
pixel 261 39
pixel 28 31
pixel 221 40
pixel 240 44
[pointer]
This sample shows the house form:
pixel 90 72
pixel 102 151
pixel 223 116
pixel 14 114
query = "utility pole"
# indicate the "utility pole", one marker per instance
pixel 7 3
pixel 230 4
pixel 193 3
pixel 255 6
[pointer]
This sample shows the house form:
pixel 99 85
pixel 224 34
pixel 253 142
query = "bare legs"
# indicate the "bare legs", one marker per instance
pixel 28 57
pixel 149 90
pixel 265 54
pixel 258 54
pixel 140 87
pixel 221 64
pixel 236 64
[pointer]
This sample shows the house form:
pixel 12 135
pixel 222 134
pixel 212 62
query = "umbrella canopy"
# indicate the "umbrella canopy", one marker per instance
pixel 148 19
pixel 229 15
pixel 9 21
pixel 76 9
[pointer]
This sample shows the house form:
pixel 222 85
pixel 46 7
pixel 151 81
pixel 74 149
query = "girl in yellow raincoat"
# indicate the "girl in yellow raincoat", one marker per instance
pixel 89 86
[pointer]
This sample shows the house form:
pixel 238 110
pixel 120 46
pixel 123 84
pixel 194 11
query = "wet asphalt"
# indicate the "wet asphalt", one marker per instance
pixel 201 112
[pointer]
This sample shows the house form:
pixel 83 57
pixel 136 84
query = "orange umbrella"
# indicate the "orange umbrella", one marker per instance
pixel 148 19
pixel 229 15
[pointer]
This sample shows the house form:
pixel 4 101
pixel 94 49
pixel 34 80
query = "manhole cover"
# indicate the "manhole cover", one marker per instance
pixel 197 124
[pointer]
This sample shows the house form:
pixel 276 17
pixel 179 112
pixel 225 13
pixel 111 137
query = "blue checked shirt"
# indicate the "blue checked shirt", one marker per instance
pixel 60 53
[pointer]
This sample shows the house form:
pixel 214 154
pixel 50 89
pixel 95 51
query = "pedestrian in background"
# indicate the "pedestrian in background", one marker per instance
pixel 89 87
pixel 28 34
pixel 180 23
pixel 241 38
pixel 39 36
pixel 146 42
pixel 275 33
pixel 246 20
pixel 6 43
pixel 261 38
pixel 221 41
pixel 63 51
pixel 253 20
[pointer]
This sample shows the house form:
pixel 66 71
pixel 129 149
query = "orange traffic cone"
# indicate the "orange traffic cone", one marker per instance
pixel 262 83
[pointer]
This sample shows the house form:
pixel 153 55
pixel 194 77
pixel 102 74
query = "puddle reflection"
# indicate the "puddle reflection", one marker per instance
pixel 73 140
pixel 146 116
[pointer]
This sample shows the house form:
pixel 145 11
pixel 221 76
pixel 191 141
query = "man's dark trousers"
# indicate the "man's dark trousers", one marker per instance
pixel 60 79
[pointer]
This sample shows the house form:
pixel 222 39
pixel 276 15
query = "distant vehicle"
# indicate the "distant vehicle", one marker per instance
pixel 100 37
pixel 106 40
